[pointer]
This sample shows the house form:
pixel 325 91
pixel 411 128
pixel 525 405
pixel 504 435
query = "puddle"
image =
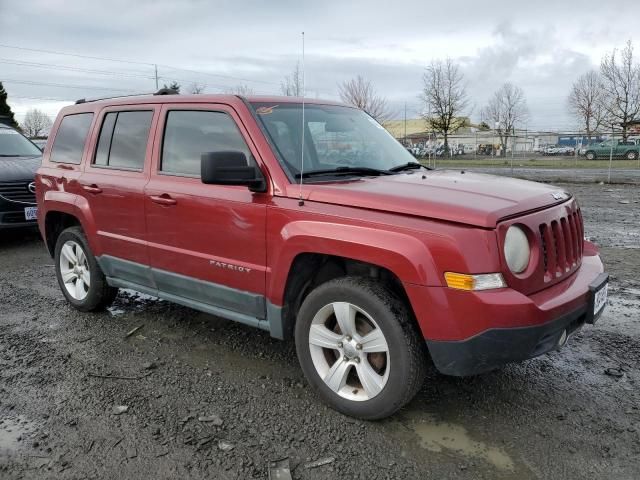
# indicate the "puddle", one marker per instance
pixel 444 437
pixel 13 432
pixel 438 436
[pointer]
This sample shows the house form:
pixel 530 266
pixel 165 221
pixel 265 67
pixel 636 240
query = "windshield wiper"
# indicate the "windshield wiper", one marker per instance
pixel 408 166
pixel 344 171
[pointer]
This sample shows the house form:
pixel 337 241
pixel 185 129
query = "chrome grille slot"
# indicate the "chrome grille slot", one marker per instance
pixel 17 192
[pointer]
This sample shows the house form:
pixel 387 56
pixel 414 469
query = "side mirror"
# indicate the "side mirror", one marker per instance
pixel 230 168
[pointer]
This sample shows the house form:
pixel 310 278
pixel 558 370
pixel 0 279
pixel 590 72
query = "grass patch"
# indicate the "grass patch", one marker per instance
pixel 540 162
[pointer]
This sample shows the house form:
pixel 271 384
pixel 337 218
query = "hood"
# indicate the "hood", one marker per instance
pixel 17 169
pixel 470 198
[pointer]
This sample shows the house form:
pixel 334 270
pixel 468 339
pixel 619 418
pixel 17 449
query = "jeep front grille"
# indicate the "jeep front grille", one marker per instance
pixel 562 245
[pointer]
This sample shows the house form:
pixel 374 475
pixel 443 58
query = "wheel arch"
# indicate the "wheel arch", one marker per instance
pixel 63 212
pixel 310 270
pixel 311 253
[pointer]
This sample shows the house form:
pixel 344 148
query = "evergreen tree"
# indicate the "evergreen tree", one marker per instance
pixel 173 86
pixel 6 115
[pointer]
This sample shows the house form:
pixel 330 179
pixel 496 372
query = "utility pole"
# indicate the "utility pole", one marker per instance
pixel 155 68
pixel 611 153
pixel 475 150
pixel 405 124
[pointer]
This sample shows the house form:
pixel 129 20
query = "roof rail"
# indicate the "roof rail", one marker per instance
pixel 162 91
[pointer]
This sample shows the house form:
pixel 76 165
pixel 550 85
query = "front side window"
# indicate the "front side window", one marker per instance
pixel 123 139
pixel 336 137
pixel 68 145
pixel 190 133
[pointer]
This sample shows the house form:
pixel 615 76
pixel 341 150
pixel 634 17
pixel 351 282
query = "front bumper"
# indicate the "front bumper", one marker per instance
pixel 473 332
pixel 495 347
pixel 15 219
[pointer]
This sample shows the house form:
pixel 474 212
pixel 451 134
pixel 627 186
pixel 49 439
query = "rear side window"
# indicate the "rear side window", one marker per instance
pixel 189 134
pixel 71 138
pixel 123 140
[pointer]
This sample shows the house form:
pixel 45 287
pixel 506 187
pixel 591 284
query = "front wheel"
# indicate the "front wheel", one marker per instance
pixel 590 156
pixel 359 348
pixel 79 275
pixel 632 155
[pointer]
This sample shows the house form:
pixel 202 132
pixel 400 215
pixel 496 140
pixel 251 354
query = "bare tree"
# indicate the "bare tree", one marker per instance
pixel 361 94
pixel 196 88
pixel 586 101
pixel 445 98
pixel 621 85
pixel 241 89
pixel 36 123
pixel 506 109
pixel 291 85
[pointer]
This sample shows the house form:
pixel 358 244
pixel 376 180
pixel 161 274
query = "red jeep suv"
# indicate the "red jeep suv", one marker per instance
pixel 310 221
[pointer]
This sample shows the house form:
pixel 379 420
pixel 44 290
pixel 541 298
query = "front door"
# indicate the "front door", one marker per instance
pixel 113 185
pixel 206 242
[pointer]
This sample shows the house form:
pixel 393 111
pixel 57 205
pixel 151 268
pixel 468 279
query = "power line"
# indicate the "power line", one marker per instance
pixel 52 66
pixel 39 50
pixel 44 98
pixel 230 77
pixel 82 87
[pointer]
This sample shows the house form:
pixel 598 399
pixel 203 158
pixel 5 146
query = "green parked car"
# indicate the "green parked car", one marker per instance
pixel 629 149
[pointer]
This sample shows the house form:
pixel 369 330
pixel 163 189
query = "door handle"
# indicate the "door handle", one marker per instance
pixel 163 199
pixel 93 188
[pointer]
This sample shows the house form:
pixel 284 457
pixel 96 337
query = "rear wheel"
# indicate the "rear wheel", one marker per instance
pixel 79 275
pixel 632 155
pixel 358 347
pixel 590 155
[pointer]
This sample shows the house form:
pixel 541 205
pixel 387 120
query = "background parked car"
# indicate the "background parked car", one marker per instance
pixel 628 149
pixel 19 160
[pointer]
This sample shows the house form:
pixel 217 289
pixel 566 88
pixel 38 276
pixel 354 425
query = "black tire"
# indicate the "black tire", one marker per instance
pixel 99 294
pixel 590 155
pixel 406 347
pixel 631 155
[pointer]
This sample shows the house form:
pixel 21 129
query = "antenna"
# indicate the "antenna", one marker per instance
pixel 301 201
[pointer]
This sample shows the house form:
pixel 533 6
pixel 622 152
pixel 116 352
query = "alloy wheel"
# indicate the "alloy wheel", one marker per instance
pixel 74 270
pixel 349 351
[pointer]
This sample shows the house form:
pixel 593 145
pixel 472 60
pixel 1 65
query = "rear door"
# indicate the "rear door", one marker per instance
pixel 113 185
pixel 206 242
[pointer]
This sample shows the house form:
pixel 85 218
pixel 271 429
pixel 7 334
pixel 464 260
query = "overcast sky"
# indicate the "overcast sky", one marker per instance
pixel 542 46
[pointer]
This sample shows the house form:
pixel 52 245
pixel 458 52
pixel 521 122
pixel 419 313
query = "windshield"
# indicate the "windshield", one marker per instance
pixel 335 138
pixel 13 144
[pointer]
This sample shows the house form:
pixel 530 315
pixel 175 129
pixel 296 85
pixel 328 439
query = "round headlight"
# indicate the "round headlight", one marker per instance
pixel 516 250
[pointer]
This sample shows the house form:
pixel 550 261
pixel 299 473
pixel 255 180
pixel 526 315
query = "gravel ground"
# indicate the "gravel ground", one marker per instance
pixel 199 397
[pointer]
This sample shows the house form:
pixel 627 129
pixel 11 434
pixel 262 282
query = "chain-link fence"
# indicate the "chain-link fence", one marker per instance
pixel 546 156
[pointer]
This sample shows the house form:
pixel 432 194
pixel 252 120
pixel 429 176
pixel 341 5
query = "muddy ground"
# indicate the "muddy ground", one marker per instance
pixel 212 399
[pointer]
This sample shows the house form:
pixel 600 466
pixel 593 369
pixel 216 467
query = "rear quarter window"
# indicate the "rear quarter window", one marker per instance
pixel 123 139
pixel 70 139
